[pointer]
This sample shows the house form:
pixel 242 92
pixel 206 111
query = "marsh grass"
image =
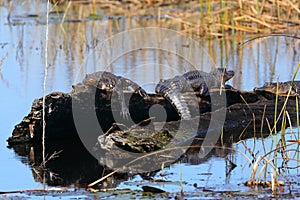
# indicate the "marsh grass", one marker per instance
pixel 205 18
pixel 267 159
pixel 283 111
pixel 274 155
pixel 222 18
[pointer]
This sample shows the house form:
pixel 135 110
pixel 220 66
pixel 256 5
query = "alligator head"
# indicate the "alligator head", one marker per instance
pixel 282 90
pixel 222 74
pixel 92 79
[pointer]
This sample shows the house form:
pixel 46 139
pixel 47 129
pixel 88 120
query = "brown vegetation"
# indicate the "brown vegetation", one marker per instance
pixel 211 18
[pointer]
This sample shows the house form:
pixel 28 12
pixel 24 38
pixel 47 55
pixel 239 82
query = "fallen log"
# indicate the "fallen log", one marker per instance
pixel 242 109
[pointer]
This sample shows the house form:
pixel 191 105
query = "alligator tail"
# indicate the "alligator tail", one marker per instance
pixel 179 103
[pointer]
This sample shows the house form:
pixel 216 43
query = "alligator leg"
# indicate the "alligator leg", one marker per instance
pixel 119 88
pixel 135 87
pixel 203 90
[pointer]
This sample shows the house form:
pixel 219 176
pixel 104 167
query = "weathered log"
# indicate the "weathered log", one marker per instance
pixel 242 109
pixel 59 121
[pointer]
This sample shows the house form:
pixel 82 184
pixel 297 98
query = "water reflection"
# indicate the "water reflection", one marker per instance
pixel 72 165
pixel 66 165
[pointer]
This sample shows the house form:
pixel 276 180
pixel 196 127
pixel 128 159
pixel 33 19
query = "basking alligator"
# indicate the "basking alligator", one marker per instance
pixel 172 89
pixel 107 81
pixel 283 88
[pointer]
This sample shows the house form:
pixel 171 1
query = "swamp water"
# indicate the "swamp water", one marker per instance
pixel 79 44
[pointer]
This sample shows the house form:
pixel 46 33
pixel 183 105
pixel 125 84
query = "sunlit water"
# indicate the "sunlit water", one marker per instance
pixel 74 49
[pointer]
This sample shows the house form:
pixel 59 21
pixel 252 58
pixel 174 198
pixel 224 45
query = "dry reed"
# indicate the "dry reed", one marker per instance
pixel 207 18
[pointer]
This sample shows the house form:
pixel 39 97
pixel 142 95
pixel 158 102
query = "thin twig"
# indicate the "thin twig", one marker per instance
pixel 45 82
pixel 253 116
pixel 269 35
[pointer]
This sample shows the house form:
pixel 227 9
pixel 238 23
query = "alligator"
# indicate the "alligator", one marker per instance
pixel 172 89
pixel 283 88
pixel 110 82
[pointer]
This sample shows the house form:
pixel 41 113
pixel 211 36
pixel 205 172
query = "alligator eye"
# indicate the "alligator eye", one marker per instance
pixel 111 86
pixel 158 87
